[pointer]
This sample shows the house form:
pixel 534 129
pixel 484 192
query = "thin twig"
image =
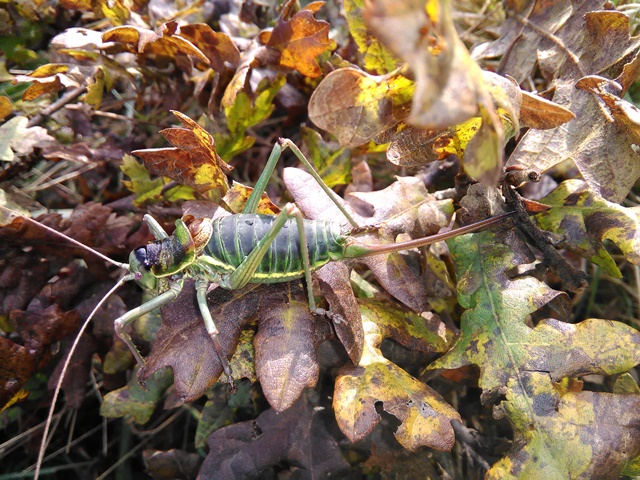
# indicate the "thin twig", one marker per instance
pixel 68 97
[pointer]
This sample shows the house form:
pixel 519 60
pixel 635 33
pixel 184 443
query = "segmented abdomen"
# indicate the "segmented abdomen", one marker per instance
pixel 235 236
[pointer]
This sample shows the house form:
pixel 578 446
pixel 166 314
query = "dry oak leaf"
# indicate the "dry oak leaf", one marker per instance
pixel 193 161
pixel 576 435
pixel 143 41
pixel 600 140
pixel 299 41
pixel 425 417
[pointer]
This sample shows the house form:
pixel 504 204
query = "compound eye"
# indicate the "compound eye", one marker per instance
pixel 141 256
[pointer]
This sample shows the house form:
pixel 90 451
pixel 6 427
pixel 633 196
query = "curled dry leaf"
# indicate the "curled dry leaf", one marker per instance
pixel 449 84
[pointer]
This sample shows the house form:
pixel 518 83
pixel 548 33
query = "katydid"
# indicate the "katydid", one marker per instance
pixel 239 249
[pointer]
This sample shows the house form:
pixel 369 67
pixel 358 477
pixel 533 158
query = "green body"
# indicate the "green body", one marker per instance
pixel 236 236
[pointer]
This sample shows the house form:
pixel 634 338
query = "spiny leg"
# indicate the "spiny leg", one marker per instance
pixel 201 293
pixel 283 143
pixel 131 315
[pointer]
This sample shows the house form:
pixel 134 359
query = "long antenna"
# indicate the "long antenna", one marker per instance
pixel 15 214
pixel 67 362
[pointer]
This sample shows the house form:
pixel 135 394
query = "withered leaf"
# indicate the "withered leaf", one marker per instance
pixel 193 162
pixel 567 435
pixel 299 41
pixel 238 195
pixel 286 361
pixel 298 437
pixel 184 344
pixel 143 41
pixel 601 131
pixel 171 464
pixel 17 139
pixel 361 105
pixel 217 46
pixel 542 114
pixel 425 416
pixel 336 288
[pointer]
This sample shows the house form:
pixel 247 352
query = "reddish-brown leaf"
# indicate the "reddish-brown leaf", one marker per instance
pixel 299 41
pixel 193 162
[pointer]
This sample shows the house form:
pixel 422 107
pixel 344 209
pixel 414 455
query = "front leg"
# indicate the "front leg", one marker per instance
pixel 157 302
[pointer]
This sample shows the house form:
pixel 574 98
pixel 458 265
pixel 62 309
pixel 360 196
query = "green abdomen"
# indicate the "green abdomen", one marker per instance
pixel 235 236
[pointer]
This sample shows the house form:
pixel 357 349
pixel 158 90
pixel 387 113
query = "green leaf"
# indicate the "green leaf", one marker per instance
pixel 332 162
pixel 135 403
pixel 586 220
pixel 375 56
pixel 245 113
pixel 140 181
pixel 495 335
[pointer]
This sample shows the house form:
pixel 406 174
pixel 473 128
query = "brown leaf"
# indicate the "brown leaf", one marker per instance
pixel 286 361
pixel 217 46
pixel 542 114
pixel 298 436
pixel 194 160
pixel 184 344
pixel 519 44
pixel 336 289
pixel 596 133
pixel 39 327
pixel 146 42
pixel 299 41
pixel 356 106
